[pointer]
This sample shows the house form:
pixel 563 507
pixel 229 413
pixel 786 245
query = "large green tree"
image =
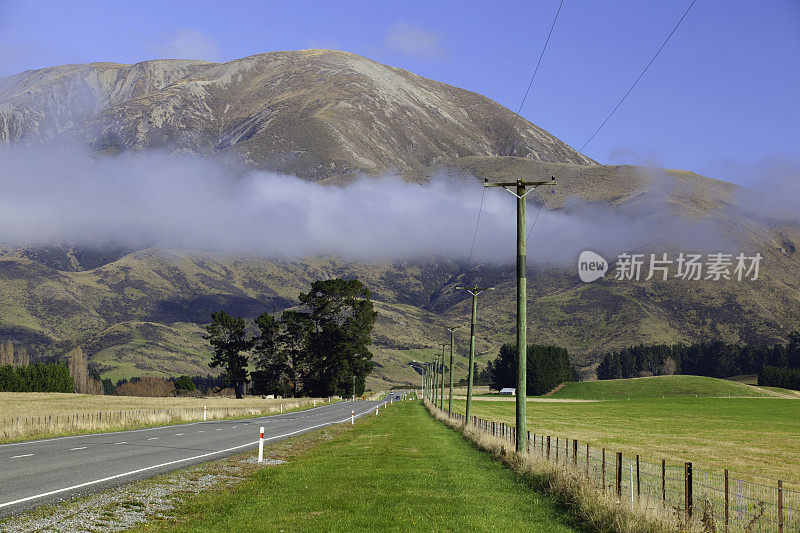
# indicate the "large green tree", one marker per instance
pixel 341 319
pixel 270 376
pixel 226 334
pixel 294 341
pixel 547 367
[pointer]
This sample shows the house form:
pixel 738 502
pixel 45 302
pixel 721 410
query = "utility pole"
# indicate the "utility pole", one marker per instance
pixel 441 378
pixel 428 380
pixel 450 397
pixel 436 381
pixel 522 296
pixel 424 380
pixel 474 291
pixel 354 387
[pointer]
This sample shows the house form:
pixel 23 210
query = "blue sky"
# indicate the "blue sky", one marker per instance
pixel 721 99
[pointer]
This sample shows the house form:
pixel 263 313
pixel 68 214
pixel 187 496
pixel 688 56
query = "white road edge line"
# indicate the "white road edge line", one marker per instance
pixel 145 469
pixel 24 455
pixel 80 448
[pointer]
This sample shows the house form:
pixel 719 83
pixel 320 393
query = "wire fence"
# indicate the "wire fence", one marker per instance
pixel 719 501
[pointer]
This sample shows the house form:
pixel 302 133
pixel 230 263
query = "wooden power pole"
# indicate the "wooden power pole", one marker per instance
pixel 450 397
pixel 522 296
pixel 441 378
pixel 474 291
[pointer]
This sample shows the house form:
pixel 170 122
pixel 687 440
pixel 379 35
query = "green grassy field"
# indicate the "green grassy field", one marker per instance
pixel 400 471
pixel 658 387
pixel 750 436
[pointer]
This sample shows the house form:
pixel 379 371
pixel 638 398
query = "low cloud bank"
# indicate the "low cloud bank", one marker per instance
pixel 66 195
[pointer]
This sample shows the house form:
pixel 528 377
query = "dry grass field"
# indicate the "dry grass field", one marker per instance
pixel 28 415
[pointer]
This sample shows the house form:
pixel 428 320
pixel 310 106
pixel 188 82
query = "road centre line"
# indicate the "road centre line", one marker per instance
pixel 24 455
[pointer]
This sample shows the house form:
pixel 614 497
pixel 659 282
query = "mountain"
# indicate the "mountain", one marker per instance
pixel 329 116
pixel 318 114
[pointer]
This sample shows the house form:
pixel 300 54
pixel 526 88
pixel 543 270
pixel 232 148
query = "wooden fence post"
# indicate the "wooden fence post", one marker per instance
pixel 638 483
pixel 687 490
pixel 587 460
pixel 664 482
pixel 726 500
pixel 604 470
pixel 575 453
pixel 556 450
pixel 619 474
pixel 780 506
pixel 528 447
pixel 548 447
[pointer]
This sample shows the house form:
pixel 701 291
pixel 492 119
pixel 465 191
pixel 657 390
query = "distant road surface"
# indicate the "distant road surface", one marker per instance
pixel 45 471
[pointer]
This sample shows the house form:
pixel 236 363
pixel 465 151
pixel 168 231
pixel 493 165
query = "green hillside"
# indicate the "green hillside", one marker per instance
pixel 658 387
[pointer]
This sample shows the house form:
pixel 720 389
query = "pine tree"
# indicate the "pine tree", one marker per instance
pixel 226 335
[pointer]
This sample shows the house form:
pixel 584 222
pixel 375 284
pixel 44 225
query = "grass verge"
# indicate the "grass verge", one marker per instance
pixel 398 471
pixel 593 509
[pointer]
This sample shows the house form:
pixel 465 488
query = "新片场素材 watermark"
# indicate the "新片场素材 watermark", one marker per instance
pixel 663 266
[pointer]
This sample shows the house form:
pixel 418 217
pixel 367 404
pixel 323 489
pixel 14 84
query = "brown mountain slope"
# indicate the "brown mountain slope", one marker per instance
pixel 327 116
pixel 314 113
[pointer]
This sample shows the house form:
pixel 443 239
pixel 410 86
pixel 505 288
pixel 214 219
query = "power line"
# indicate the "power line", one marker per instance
pixel 640 76
pixel 513 123
pixel 620 102
pixel 475 235
pixel 533 77
pixel 539 212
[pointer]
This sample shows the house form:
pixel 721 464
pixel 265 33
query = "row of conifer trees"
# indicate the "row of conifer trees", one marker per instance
pixel 69 374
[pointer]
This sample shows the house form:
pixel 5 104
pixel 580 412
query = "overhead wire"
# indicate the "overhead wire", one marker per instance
pixel 614 110
pixel 513 123
pixel 638 78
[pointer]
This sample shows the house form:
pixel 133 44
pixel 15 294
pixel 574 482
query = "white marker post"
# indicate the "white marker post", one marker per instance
pixel 631 467
pixel 281 408
pixel 352 417
pixel 204 412
pixel 261 445
pixel 376 410
pixel 315 403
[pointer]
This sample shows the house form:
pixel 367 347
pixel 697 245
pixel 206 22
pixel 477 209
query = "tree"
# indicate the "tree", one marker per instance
pixel 226 335
pixel 7 354
pixel 669 367
pixel 21 357
pixel 184 384
pixel 78 366
pixel 547 367
pixel 270 374
pixel 342 317
pixel 294 343
pixel 504 368
pixel 793 350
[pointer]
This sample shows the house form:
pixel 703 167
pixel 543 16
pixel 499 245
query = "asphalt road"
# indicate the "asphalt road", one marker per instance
pixel 33 473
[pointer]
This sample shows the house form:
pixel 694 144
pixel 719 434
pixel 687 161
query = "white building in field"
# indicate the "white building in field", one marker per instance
pixel 508 391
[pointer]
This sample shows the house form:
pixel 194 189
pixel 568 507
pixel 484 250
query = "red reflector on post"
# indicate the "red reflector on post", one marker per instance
pixel 260 435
